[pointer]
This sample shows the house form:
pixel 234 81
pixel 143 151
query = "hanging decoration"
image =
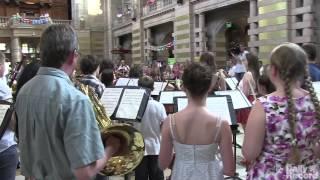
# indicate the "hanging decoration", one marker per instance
pixel 151 2
pixel 43 19
pixel 161 48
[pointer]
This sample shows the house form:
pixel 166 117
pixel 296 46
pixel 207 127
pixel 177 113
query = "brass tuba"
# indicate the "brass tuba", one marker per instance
pixel 132 144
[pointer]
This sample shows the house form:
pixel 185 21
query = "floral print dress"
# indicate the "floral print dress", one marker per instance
pixel 272 161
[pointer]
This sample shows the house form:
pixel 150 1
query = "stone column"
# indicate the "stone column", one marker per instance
pixel 183 50
pixel 202 22
pixel 15 50
pixel 109 28
pixel 253 13
pixel 202 25
pixel 147 44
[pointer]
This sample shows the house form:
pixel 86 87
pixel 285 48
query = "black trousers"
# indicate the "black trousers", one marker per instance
pixel 149 169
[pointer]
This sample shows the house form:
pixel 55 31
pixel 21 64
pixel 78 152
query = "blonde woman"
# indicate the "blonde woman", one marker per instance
pixel 282 135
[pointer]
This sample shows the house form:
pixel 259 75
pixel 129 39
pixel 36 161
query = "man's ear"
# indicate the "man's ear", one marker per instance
pixel 72 58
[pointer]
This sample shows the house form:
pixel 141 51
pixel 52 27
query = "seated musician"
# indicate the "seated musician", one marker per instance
pixel 123 69
pixel 150 128
pixel 89 66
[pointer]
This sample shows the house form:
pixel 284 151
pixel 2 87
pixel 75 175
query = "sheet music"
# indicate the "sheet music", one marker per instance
pixel 110 99
pixel 133 82
pixel 216 105
pixel 316 86
pixel 158 87
pixel 3 110
pixel 232 83
pixel 122 82
pixel 167 96
pixel 130 103
pixel 239 100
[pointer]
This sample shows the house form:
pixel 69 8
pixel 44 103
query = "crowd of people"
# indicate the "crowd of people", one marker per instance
pixel 55 129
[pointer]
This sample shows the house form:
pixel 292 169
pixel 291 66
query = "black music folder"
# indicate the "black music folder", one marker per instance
pixel 219 105
pixel 125 103
pixel 239 100
pixel 166 97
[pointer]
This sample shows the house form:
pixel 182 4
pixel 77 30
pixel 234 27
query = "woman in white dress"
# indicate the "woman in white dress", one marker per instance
pixel 202 141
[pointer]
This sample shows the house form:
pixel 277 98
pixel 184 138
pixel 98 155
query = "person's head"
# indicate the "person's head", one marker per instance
pixel 234 49
pixel 146 82
pixel 252 64
pixel 311 51
pixel 106 64
pixel 29 71
pixel 242 47
pixel 136 71
pixel 197 79
pixel 89 64
pixel 146 70
pixel 207 58
pixel 107 77
pixel 288 63
pixel 59 48
pixel 265 86
pixel 2 64
pixel 122 62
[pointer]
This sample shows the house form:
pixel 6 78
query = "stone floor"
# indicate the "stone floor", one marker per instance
pixel 240 169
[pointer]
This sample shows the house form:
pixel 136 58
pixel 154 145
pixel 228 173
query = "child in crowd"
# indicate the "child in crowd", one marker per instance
pixel 150 128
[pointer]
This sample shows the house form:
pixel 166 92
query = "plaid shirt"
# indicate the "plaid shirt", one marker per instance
pixel 93 82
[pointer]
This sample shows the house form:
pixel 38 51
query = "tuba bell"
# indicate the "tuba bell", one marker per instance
pixel 131 140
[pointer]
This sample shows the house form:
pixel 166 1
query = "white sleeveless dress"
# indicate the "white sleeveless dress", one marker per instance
pixel 196 162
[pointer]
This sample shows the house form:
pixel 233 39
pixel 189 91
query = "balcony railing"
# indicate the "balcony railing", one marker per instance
pixel 122 20
pixel 58 21
pixel 6 22
pixel 158 6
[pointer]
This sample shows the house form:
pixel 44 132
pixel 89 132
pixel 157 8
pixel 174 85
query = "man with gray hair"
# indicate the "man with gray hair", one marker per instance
pixel 59 136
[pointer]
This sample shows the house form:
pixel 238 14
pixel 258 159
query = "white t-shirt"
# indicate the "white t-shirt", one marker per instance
pixel 7 139
pixel 240 68
pixel 150 126
pixel 232 70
